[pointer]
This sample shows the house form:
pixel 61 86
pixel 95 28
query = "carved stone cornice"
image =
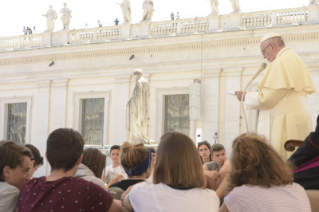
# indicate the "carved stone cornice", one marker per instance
pixel 152 49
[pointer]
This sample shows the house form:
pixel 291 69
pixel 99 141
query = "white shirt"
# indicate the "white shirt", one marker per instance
pixel 248 198
pixel 111 172
pixel 146 197
pixel 8 197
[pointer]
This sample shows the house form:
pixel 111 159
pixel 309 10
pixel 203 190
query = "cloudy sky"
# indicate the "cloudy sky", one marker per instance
pixel 15 14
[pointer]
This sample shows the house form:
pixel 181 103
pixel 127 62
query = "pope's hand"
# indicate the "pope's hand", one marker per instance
pixel 239 95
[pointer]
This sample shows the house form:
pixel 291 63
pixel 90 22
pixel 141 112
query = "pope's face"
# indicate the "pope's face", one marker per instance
pixel 137 76
pixel 267 50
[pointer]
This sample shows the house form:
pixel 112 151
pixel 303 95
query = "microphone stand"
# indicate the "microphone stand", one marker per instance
pixel 263 66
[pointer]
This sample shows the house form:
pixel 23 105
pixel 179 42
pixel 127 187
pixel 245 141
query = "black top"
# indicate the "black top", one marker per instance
pixel 124 184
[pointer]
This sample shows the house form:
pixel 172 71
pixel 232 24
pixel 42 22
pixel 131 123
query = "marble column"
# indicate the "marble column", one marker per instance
pixel 59 103
pixel 121 98
pixel 232 106
pixel 210 102
pixel 42 122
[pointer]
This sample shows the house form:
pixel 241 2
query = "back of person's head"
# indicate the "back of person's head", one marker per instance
pixel 135 159
pixel 216 148
pixel 64 148
pixel 255 162
pixel 94 160
pixel 177 162
pixel 38 159
pixel 114 147
pixel 12 155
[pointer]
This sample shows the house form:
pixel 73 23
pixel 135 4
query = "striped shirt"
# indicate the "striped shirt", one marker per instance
pixel 248 198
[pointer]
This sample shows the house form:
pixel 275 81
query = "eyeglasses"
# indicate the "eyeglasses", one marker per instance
pixel 263 51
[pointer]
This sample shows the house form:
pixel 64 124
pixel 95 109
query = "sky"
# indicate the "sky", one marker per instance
pixel 14 14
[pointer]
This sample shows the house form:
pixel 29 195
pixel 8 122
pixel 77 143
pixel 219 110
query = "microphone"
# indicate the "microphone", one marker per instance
pixel 261 68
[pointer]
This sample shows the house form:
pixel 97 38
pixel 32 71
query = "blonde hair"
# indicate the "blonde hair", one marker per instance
pixel 132 155
pixel 255 162
pixel 177 162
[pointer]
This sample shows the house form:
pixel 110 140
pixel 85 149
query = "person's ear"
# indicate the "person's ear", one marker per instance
pixel 79 160
pixel 6 172
pixel 32 163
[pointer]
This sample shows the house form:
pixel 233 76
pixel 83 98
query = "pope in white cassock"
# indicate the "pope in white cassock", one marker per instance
pixel 282 96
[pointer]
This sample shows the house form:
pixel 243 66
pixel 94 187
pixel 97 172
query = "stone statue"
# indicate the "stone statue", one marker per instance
pixel 66 17
pixel 214 7
pixel 148 10
pixel 136 111
pixel 313 1
pixel 235 5
pixel 51 17
pixel 126 10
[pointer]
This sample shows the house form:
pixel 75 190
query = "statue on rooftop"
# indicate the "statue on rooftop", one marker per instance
pixel 313 1
pixel 235 5
pixel 148 10
pixel 214 7
pixel 137 111
pixel 51 17
pixel 66 16
pixel 126 10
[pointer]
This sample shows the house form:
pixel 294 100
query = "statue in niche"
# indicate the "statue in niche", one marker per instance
pixel 51 17
pixel 235 5
pixel 313 1
pixel 126 10
pixel 214 7
pixel 148 10
pixel 66 16
pixel 136 111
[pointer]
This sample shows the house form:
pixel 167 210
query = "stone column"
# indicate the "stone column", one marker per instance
pixel 235 21
pixel 313 13
pixel 126 30
pixel 210 104
pixel 46 39
pixel 145 29
pixel 121 98
pixel 59 103
pixel 213 22
pixel 42 122
pixel 232 106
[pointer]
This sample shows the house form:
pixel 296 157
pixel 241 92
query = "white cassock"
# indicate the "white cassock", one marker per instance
pixel 282 101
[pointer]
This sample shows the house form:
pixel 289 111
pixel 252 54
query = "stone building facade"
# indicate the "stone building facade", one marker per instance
pixel 82 79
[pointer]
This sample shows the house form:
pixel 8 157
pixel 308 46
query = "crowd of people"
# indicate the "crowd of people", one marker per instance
pixel 176 176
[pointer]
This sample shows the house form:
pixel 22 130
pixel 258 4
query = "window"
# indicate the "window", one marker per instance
pixel 176 116
pixel 92 121
pixel 16 122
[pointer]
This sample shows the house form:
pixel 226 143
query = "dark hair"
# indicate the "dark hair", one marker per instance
pixel 94 160
pixel 38 159
pixel 64 148
pixel 177 162
pixel 114 147
pixel 11 154
pixel 132 155
pixel 208 146
pixel 256 163
pixel 216 148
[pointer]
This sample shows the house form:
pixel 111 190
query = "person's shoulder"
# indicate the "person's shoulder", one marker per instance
pixel 7 189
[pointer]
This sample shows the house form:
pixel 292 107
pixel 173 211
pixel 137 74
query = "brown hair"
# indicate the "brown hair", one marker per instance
pixel 177 162
pixel 64 148
pixel 133 155
pixel 11 154
pixel 255 162
pixel 208 146
pixel 216 148
pixel 38 159
pixel 94 160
